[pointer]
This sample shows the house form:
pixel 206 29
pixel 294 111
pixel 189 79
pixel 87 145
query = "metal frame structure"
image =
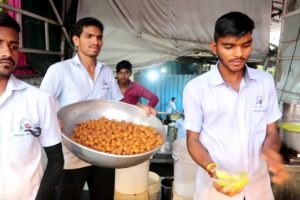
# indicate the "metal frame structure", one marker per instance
pixel 46 21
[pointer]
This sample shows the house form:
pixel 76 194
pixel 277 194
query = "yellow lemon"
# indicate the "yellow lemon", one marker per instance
pixel 243 180
pixel 222 174
pixel 231 181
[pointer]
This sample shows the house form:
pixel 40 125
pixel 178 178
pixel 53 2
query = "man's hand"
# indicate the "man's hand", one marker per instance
pixel 148 109
pixel 61 124
pixel 221 189
pixel 275 165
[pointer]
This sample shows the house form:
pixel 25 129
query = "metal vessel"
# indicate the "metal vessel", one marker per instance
pixel 75 113
pixel 291 113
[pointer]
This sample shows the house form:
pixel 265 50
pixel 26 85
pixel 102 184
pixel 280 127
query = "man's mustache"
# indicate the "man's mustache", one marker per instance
pixel 9 59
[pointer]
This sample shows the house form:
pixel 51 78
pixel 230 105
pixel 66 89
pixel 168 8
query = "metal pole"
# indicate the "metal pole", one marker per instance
pixel 29 14
pixel 60 21
pixel 38 51
pixel 63 39
pixel 46 36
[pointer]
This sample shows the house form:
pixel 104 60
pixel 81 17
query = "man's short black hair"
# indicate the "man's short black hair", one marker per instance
pixel 87 21
pixel 8 21
pixel 124 64
pixel 173 98
pixel 234 24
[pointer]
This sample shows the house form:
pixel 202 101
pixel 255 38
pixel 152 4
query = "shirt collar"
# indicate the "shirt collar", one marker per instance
pixel 131 84
pixel 217 79
pixel 14 84
pixel 76 61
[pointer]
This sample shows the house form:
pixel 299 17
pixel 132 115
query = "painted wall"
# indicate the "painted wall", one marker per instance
pixel 166 84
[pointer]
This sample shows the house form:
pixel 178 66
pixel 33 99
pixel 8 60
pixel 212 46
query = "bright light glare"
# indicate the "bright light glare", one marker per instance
pixel 163 70
pixel 152 75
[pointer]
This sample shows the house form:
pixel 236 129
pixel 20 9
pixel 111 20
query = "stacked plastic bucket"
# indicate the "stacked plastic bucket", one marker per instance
pixel 185 169
pixel 136 183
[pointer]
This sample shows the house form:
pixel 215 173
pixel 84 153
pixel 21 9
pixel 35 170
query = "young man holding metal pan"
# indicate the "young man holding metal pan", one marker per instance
pixel 81 78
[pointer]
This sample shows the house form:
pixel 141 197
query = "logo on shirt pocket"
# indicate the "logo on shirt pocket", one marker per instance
pixel 258 106
pixel 27 128
pixel 25 124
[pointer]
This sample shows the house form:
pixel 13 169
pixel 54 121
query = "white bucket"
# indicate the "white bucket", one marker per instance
pixel 153 185
pixel 185 170
pixel 140 196
pixel 178 197
pixel 132 180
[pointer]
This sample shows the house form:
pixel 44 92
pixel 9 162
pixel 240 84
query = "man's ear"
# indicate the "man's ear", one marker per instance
pixel 213 47
pixel 75 40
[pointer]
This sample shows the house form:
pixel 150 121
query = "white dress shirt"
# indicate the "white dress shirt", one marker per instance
pixel 233 128
pixel 69 82
pixel 23 107
pixel 171 107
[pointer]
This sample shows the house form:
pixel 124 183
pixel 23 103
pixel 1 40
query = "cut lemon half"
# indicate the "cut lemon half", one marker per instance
pixel 230 181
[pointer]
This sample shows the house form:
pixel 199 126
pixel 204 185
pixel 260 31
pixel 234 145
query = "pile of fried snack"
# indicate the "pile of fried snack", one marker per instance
pixel 116 137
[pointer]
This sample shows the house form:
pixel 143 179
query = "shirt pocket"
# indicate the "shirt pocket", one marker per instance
pixel 104 91
pixel 259 117
pixel 23 146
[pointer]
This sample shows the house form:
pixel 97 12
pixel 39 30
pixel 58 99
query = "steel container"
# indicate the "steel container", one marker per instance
pixel 291 113
pixel 79 112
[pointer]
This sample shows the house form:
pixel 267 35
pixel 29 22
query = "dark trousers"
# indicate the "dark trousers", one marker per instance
pixel 101 183
pixel 168 120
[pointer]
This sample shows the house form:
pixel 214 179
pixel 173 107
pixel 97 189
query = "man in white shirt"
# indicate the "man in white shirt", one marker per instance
pixel 230 117
pixel 81 78
pixel 171 108
pixel 27 122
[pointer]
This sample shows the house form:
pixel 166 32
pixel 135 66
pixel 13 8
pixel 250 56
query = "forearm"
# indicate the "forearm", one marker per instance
pixel 53 171
pixel 272 140
pixel 197 151
pixel 151 97
pixel 153 101
pixel 270 151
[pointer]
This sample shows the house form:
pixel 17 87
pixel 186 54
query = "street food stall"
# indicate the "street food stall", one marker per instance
pixel 177 29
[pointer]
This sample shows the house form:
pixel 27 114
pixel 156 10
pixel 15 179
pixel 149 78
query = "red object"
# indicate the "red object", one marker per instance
pixel 18 18
pixel 25 71
pixel 136 91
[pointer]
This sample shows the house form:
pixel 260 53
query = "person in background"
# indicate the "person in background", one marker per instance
pixel 80 78
pixel 171 108
pixel 27 122
pixel 179 124
pixel 131 90
pixel 230 117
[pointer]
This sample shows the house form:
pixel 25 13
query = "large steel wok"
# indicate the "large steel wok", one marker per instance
pixel 291 140
pixel 291 134
pixel 75 113
pixel 291 115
